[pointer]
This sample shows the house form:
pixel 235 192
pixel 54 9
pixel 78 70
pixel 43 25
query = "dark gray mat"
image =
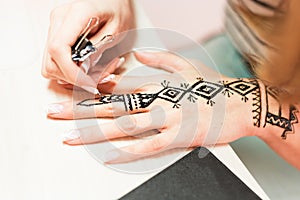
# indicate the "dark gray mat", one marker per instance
pixel 193 178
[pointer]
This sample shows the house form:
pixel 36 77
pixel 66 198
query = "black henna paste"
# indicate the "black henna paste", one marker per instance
pixel 208 91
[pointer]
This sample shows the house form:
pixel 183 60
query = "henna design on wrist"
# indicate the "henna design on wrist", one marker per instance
pixel 283 115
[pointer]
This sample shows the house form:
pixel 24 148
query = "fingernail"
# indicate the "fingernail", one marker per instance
pixel 111 155
pixel 71 135
pixel 91 90
pixel 54 109
pixel 61 82
pixel 121 62
pixel 108 78
pixel 135 49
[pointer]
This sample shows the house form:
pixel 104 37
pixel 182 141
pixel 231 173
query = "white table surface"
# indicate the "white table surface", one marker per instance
pixel 33 162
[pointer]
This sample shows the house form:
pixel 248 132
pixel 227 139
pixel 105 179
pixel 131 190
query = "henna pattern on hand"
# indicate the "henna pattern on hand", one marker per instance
pixel 208 91
pixel 204 89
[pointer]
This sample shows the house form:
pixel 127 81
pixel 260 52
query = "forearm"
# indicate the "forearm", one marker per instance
pixel 279 126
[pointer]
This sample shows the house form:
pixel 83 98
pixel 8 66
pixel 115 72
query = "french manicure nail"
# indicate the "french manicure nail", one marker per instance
pixel 61 82
pixel 54 109
pixel 108 78
pixel 111 155
pixel 121 62
pixel 71 135
pixel 91 89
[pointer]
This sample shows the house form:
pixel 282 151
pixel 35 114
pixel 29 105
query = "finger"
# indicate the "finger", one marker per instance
pixel 65 85
pixel 88 108
pixel 117 84
pixel 57 17
pixel 77 16
pixel 102 42
pixel 61 82
pixel 68 86
pixel 104 106
pixel 157 144
pixel 110 28
pixel 132 84
pixel 71 72
pixel 60 51
pixel 113 66
pixel 50 70
pixel 125 126
pixel 162 60
pixel 100 72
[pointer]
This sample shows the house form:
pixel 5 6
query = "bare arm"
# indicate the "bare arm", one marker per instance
pixel 280 126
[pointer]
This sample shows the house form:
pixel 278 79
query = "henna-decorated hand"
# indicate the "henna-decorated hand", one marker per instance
pixel 186 110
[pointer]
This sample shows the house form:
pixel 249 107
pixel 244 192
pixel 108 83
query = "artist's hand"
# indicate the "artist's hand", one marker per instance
pixel 66 24
pixel 184 109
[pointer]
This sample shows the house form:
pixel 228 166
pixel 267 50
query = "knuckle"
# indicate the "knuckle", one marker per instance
pixel 50 69
pixel 45 74
pixel 180 63
pixel 158 144
pixel 107 111
pixel 115 25
pixel 54 48
pixel 126 124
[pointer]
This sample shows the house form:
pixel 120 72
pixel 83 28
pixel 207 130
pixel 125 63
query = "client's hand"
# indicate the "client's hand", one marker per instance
pixel 184 107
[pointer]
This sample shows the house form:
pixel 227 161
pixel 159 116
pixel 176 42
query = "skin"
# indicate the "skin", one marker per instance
pixel 235 119
pixel 115 17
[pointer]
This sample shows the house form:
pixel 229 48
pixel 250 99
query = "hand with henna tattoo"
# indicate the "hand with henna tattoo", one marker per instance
pixel 187 109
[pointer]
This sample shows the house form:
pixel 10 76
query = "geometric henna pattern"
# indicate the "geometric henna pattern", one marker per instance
pixel 257 106
pixel 208 90
pixel 203 89
pixel 130 101
pixel 281 119
pixel 284 123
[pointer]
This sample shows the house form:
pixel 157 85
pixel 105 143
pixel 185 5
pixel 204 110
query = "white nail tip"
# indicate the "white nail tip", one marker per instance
pixel 121 61
pixel 71 135
pixel 54 108
pixel 61 82
pixel 108 78
pixel 90 89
